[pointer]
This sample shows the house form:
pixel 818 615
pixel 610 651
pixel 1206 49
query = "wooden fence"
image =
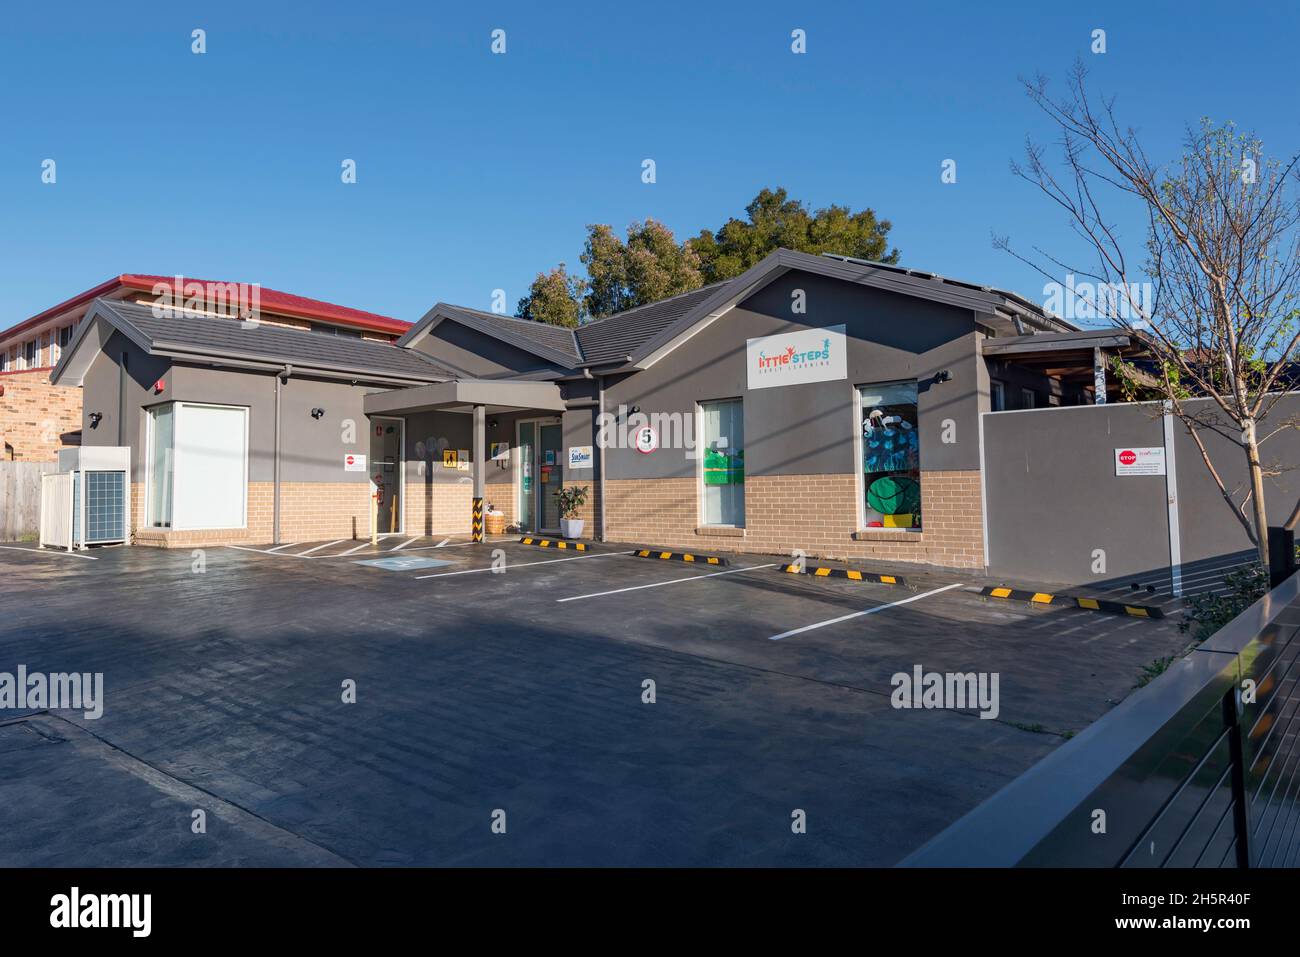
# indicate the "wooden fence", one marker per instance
pixel 20 498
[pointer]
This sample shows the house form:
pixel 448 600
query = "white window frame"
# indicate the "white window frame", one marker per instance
pixel 176 462
pixel 860 480
pixel 700 512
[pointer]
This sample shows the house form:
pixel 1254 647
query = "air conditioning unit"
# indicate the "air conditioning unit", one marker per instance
pixel 88 500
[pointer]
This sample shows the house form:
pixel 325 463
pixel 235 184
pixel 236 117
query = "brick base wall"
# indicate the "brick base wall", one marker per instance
pixel 34 415
pixel 502 497
pixel 438 509
pixel 817 513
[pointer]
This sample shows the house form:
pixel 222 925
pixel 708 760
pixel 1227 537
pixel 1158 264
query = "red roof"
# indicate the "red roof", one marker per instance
pixel 272 300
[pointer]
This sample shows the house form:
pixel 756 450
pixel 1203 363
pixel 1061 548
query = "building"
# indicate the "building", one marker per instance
pixel 37 418
pixel 814 402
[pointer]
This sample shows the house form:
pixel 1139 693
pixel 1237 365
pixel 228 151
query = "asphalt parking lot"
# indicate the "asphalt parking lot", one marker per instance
pixel 506 683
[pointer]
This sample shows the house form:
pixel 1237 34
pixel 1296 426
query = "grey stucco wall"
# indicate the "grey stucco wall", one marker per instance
pixel 1052 495
pixel 311 450
pixel 810 429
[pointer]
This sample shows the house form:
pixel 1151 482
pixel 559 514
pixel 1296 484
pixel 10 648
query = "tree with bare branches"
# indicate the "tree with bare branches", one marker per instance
pixel 1214 292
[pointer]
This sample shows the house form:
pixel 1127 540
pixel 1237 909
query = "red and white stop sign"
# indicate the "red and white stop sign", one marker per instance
pixel 1128 457
pixel 350 460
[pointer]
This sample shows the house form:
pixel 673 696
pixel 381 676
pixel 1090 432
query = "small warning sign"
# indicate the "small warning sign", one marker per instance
pixel 354 463
pixel 1140 461
pixel 449 458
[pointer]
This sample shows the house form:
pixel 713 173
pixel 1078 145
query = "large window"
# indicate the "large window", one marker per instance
pixel 198 466
pixel 723 429
pixel 891 455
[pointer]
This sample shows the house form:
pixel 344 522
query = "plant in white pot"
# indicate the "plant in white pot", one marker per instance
pixel 571 499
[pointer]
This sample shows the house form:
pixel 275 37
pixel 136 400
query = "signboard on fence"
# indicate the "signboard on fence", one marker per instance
pixel 1140 461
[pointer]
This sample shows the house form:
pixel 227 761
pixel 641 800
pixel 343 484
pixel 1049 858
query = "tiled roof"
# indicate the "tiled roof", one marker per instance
pixel 621 334
pixel 222 337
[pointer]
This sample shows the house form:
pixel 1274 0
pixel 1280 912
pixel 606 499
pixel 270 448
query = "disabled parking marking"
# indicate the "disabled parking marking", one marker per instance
pixel 45 551
pixel 672 581
pixel 404 563
pixel 508 567
pixel 859 614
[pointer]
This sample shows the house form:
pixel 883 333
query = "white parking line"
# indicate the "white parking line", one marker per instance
pixel 319 547
pixel 674 581
pixel 446 540
pixel 859 614
pixel 404 544
pixel 352 550
pixel 267 551
pixel 549 561
pixel 44 551
pixel 285 545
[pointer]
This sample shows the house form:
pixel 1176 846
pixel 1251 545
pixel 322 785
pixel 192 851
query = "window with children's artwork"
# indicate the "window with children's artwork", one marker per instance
pixel 891 455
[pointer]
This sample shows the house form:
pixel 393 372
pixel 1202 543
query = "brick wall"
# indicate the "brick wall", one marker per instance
pixel 502 496
pixel 438 509
pixel 34 416
pixel 315 511
pixel 817 513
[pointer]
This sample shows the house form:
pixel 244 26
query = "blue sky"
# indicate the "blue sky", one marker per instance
pixel 475 171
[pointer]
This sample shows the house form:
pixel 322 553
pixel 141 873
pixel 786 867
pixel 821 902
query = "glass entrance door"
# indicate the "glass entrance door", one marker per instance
pixel 527 476
pixel 541 473
pixel 549 441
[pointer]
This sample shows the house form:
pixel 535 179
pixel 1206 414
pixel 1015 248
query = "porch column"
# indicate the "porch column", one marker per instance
pixel 1099 375
pixel 480 472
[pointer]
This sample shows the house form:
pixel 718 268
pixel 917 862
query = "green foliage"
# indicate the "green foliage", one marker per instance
pixel 775 221
pixel 554 297
pixel 650 264
pixel 1155 670
pixel 1210 611
pixel 570 499
pixel 648 267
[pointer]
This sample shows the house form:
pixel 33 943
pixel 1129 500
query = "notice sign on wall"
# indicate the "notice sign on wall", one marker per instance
pixel 794 358
pixel 580 456
pixel 354 463
pixel 1140 461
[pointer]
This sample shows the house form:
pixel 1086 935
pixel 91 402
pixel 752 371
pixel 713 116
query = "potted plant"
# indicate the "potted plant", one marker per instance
pixel 571 499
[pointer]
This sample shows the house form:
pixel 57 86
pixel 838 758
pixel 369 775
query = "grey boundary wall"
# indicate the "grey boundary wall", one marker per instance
pixel 1053 500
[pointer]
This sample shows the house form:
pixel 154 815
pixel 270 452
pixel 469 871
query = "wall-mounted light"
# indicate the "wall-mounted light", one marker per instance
pixel 492 424
pixel 317 413
pixel 943 375
pixel 94 419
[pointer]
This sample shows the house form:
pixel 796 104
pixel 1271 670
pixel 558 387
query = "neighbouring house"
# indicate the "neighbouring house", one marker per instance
pixel 848 409
pixel 38 418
